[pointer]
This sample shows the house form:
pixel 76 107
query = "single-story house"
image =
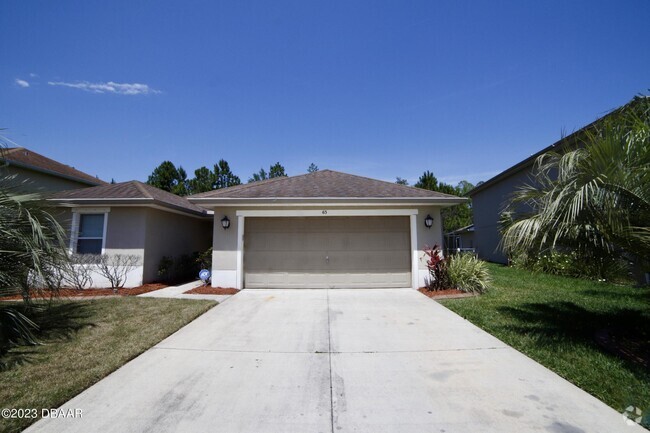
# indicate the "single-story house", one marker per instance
pixel 319 230
pixel 490 198
pixel 132 218
pixel 32 172
pixel 323 230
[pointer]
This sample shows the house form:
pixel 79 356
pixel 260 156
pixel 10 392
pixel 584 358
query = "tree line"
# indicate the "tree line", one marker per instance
pixel 169 177
pixel 453 217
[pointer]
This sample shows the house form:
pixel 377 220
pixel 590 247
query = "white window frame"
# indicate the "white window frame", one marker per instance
pixel 76 220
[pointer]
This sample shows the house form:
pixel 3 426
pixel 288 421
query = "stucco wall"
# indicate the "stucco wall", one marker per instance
pixel 32 181
pixel 427 237
pixel 171 234
pixel 125 234
pixel 148 234
pixel 488 205
pixel 224 254
pixel 224 249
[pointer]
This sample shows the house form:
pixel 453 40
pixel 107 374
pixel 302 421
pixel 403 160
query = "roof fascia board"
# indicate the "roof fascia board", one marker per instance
pixel 128 202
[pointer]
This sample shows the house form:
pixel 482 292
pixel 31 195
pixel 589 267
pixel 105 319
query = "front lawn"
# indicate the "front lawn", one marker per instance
pixel 557 321
pixel 83 341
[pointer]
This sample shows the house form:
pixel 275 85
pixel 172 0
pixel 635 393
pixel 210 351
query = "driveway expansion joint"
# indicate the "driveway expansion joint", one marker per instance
pixel 329 354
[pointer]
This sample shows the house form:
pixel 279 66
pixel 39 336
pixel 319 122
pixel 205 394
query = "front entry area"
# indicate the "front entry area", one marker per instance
pixel 327 252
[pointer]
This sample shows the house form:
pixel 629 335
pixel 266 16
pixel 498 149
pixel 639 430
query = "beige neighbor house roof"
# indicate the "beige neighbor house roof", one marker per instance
pixel 126 193
pixel 322 185
pixel 22 157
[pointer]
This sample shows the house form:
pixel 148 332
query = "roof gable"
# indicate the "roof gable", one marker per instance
pixel 321 184
pixel 132 191
pixel 29 159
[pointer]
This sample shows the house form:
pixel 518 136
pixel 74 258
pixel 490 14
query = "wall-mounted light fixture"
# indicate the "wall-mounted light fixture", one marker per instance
pixel 428 221
pixel 225 222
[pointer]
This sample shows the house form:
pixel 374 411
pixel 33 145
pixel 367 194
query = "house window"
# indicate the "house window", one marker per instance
pixel 90 237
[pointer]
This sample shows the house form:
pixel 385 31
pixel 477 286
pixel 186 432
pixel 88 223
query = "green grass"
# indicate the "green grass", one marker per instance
pixel 84 341
pixel 553 320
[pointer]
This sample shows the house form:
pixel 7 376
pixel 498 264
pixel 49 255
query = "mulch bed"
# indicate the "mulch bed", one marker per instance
pixel 445 294
pixel 76 293
pixel 206 290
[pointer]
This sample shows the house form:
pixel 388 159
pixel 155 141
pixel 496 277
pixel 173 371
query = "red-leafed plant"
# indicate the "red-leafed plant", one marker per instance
pixel 437 264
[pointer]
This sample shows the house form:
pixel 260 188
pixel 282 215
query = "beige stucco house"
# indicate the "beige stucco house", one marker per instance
pixel 132 218
pixel 34 173
pixel 322 230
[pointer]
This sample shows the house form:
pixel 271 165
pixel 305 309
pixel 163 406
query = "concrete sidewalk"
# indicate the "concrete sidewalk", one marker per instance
pixel 334 361
pixel 178 292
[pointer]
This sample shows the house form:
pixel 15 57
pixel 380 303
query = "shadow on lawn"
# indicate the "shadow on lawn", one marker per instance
pixel 623 332
pixel 56 321
pixel 637 293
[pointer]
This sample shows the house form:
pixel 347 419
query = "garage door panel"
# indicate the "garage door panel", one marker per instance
pixel 272 261
pixel 371 279
pixel 322 252
pixel 375 261
pixel 285 280
pixel 364 241
pixel 286 241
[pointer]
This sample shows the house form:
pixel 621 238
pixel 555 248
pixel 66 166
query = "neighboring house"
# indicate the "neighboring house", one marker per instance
pixel 33 172
pixel 490 198
pixel 461 239
pixel 132 218
pixel 323 230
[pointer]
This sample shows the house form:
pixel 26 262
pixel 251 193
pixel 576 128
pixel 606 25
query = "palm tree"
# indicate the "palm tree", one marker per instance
pixel 593 199
pixel 31 253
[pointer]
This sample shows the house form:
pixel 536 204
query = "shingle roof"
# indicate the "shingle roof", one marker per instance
pixel 132 191
pixel 29 159
pixel 321 184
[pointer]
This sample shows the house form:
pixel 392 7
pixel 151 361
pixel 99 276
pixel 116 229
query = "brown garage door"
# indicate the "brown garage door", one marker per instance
pixel 327 252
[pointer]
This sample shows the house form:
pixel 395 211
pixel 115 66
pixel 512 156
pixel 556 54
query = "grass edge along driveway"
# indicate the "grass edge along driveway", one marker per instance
pixel 556 320
pixel 83 342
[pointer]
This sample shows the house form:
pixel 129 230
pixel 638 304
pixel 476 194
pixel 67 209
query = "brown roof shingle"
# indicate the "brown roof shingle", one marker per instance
pixel 133 191
pixel 35 161
pixel 322 184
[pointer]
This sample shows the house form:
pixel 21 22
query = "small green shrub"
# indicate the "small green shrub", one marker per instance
pixel 204 259
pixel 165 268
pixel 467 273
pixel 183 268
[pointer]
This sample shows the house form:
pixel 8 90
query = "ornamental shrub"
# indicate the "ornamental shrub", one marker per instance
pixel 467 273
pixel 438 276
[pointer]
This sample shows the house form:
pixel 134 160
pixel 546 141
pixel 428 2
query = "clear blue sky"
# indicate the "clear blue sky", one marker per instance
pixel 377 88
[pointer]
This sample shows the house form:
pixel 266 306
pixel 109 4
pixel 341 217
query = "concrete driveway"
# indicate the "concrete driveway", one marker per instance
pixel 334 361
